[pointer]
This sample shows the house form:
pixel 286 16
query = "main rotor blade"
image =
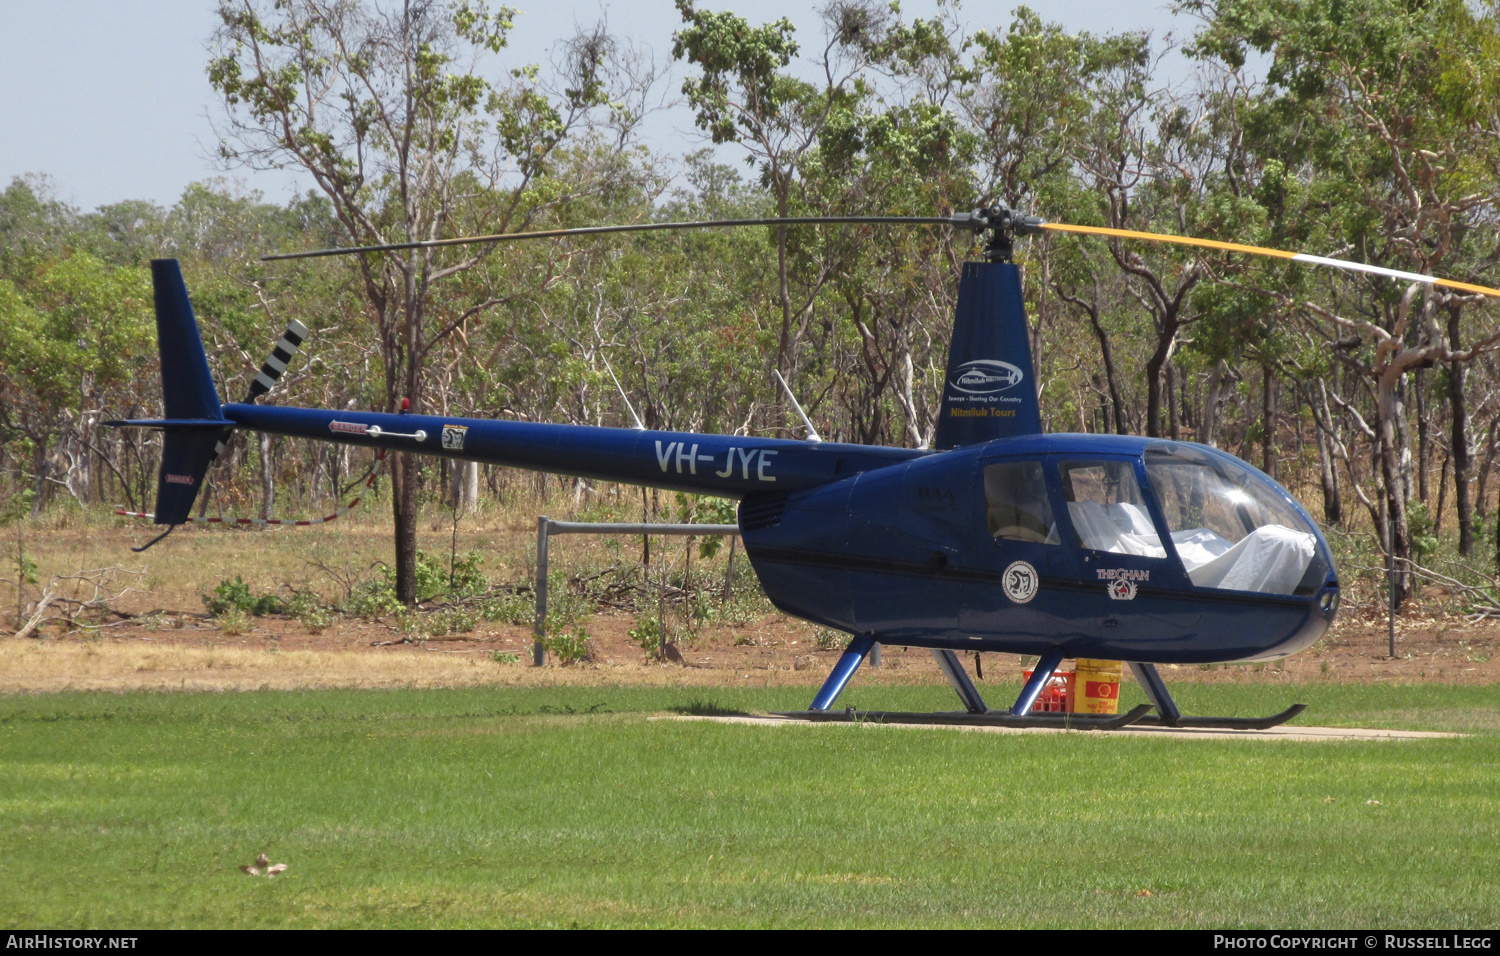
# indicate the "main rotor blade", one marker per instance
pixel 1344 264
pixel 966 221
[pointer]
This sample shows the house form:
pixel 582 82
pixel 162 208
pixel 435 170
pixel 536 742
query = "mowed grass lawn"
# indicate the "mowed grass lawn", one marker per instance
pixel 569 807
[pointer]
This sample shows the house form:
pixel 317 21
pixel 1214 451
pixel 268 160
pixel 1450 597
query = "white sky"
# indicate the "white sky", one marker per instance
pixel 110 97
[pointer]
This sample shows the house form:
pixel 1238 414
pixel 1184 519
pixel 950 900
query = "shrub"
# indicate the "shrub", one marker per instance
pixel 236 596
pixel 511 608
pixel 458 620
pixel 570 647
pixel 436 579
pixel 311 612
pixel 373 598
pixel 647 634
pixel 465 579
pixel 234 622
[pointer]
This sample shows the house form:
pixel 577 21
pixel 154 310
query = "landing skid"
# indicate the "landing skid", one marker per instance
pixel 994 718
pixel 1227 723
pixel 979 714
pixel 1167 714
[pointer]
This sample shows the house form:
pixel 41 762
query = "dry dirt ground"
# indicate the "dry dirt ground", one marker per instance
pixel 192 653
pixel 183 648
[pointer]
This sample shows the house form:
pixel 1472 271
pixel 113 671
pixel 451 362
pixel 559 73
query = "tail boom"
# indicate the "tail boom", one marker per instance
pixel 727 465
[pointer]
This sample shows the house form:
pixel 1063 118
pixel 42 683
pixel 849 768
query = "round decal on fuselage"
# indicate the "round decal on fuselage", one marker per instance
pixel 1020 581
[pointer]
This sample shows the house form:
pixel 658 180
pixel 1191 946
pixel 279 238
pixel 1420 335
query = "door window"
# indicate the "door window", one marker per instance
pixel 1016 504
pixel 1107 508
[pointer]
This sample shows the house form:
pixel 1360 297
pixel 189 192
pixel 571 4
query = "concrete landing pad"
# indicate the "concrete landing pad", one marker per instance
pixel 1275 733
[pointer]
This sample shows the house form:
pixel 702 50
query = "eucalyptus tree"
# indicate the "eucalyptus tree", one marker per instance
pixel 1380 110
pixel 383 105
pixel 745 92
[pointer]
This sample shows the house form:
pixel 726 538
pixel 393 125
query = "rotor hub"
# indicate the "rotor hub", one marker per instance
pixel 1003 225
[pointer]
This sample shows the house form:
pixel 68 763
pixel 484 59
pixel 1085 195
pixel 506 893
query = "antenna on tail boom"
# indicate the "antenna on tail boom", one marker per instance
pixel 812 433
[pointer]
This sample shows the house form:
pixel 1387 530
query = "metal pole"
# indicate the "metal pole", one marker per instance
pixel 729 571
pixel 874 656
pixel 539 649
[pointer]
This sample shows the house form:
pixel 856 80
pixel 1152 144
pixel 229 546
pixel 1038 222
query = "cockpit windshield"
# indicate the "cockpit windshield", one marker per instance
pixel 1231 529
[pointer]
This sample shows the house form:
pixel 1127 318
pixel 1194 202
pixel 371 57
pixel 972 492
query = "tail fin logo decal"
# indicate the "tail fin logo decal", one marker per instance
pixel 453 437
pixel 985 377
pixel 179 479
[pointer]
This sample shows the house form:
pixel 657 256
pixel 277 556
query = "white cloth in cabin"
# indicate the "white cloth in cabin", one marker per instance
pixel 1108 528
pixel 1271 559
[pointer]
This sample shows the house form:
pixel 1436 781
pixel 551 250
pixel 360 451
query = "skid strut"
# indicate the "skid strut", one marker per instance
pixel 976 713
pixel 854 655
pixel 949 664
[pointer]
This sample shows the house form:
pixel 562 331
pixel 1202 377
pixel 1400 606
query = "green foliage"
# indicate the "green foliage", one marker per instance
pixel 417 625
pixel 739 91
pixel 647 634
pixel 465 577
pixel 234 621
pixel 311 612
pixel 459 620
pixel 509 607
pixel 373 598
pixel 436 579
pixel 705 509
pixel 230 596
pixel 569 645
pixel 1424 541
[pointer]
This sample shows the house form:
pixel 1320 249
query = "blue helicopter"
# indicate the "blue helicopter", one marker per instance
pixel 1000 538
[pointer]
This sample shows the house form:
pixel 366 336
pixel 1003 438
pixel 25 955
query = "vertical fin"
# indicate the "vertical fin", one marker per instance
pixel 187 386
pixel 188 392
pixel 990 389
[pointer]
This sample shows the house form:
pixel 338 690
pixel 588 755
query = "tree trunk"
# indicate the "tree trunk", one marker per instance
pixel 1422 436
pixel 267 478
pixel 1461 453
pixel 1172 423
pixel 1268 421
pixel 1209 409
pixel 1388 407
pixel 1333 506
pixel 404 495
pixel 1107 354
pixel 466 486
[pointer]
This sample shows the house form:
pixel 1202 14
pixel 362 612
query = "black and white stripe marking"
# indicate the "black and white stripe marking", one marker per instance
pixel 275 366
pixel 270 373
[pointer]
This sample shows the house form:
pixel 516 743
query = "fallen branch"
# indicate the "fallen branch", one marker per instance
pixel 101 585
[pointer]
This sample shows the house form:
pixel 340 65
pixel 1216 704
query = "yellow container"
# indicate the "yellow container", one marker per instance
pixel 1096 687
